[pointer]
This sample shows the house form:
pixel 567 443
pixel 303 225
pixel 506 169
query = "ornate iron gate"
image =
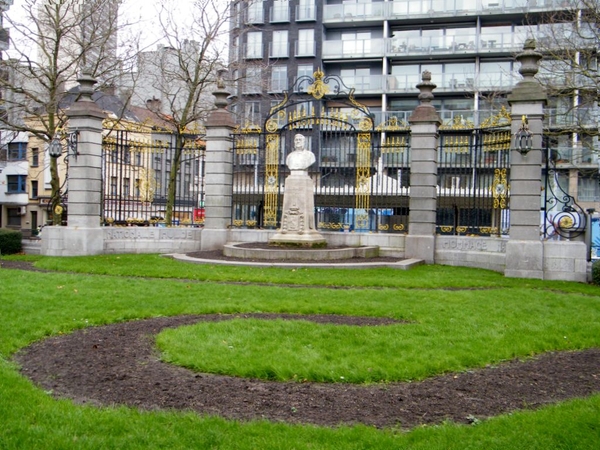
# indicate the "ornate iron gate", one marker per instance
pixel 136 166
pixel 473 174
pixel 361 173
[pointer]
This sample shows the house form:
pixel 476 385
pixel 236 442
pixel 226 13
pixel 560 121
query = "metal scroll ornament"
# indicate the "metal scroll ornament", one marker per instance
pixel 318 89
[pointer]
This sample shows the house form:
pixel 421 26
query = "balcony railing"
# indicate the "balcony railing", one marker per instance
pixel 580 117
pixel 305 48
pixel 359 48
pixel 364 84
pixel 401 9
pixel 252 51
pixel 280 13
pixel 279 50
pixel 464 82
pixel 308 12
pixel 449 45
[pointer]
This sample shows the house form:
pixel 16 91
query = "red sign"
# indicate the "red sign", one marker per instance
pixel 199 214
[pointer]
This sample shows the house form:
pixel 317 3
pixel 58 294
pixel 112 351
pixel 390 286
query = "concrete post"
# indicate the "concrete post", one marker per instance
pixel 424 125
pixel 83 235
pixel 219 172
pixel 524 251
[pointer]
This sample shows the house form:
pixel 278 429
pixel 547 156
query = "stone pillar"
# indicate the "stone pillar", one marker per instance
pixel 83 235
pixel 218 173
pixel 524 250
pixel 424 125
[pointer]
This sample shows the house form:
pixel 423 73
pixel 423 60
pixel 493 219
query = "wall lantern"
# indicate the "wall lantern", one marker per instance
pixel 523 137
pixel 55 147
pixel 72 140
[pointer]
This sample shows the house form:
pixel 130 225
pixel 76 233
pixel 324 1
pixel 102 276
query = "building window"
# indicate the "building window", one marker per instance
pixel 359 79
pixel 137 187
pixel 14 217
pixel 15 184
pixel 280 11
pixel 254 13
pixel 35 157
pixel 113 185
pixel 306 10
pixel 304 70
pixel 280 45
pixel 306 43
pixel 126 184
pixel 278 78
pixel 588 189
pixel 253 82
pixel 251 113
pixel 17 151
pixel 356 43
pixel 254 45
pixel 34 189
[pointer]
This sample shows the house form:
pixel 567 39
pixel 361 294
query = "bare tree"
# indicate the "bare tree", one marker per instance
pixel 53 42
pixel 569 39
pixel 177 80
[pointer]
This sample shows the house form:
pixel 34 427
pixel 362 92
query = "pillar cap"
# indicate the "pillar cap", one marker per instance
pixel 425 112
pixel 529 89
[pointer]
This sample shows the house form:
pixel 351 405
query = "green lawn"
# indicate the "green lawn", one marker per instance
pixel 454 319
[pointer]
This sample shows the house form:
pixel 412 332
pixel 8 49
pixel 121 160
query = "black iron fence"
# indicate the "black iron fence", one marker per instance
pixel 136 169
pixel 473 182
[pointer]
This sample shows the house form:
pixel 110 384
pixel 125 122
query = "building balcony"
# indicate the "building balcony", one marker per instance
pixel 356 12
pixel 279 50
pixel 351 49
pixel 481 43
pixel 306 13
pixel 581 117
pixel 372 84
pixel 252 51
pixel 454 82
pixel 5 5
pixel 305 49
pixel 334 15
pixel 280 13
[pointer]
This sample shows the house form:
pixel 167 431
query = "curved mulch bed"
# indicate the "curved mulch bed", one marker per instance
pixel 118 364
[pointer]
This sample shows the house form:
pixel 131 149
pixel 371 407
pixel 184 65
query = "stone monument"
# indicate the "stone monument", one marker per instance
pixel 298 216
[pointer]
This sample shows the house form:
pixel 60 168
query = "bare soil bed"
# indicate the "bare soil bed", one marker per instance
pixel 119 364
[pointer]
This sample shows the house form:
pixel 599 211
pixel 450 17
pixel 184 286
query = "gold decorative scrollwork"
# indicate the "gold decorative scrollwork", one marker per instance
pixel 497 120
pixel 147 184
pixel 363 172
pixel 318 89
pixel 271 180
pixel 446 229
pixel 499 189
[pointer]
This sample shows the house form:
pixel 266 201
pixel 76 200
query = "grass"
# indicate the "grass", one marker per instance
pixel 451 326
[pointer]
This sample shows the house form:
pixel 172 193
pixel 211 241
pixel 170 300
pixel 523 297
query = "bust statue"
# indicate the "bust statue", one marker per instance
pixel 300 158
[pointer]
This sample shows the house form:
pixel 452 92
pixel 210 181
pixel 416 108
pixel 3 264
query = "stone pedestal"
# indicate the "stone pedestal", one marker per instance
pixel 298 215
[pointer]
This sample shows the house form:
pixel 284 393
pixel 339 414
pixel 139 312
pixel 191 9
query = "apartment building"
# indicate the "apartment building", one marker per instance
pixel 380 48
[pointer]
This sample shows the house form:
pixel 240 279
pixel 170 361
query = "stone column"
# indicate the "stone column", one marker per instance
pixel 524 251
pixel 424 125
pixel 218 173
pixel 83 235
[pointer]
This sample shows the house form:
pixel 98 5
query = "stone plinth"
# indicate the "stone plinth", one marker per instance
pixel 298 215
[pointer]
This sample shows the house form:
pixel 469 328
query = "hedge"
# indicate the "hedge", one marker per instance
pixel 10 241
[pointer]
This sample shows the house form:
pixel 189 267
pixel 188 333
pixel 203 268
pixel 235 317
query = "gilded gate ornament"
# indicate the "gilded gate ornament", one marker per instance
pixel 318 89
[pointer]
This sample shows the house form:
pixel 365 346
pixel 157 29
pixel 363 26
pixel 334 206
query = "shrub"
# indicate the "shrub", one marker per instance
pixel 596 272
pixel 10 241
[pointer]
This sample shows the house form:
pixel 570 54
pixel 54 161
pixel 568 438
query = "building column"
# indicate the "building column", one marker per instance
pixel 83 235
pixel 218 178
pixel 424 125
pixel 524 250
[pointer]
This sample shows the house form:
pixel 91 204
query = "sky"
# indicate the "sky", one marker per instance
pixel 144 12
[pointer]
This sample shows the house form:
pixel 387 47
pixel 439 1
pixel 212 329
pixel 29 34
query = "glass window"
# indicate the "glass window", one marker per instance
pixel 254 13
pixel 306 10
pixel 252 113
pixel 253 84
pixel 588 188
pixel 14 217
pixel 279 79
pixel 35 157
pixel 280 11
pixel 279 46
pixel 34 189
pixel 306 43
pixel 15 184
pixel 356 43
pixel 17 151
pixel 254 46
